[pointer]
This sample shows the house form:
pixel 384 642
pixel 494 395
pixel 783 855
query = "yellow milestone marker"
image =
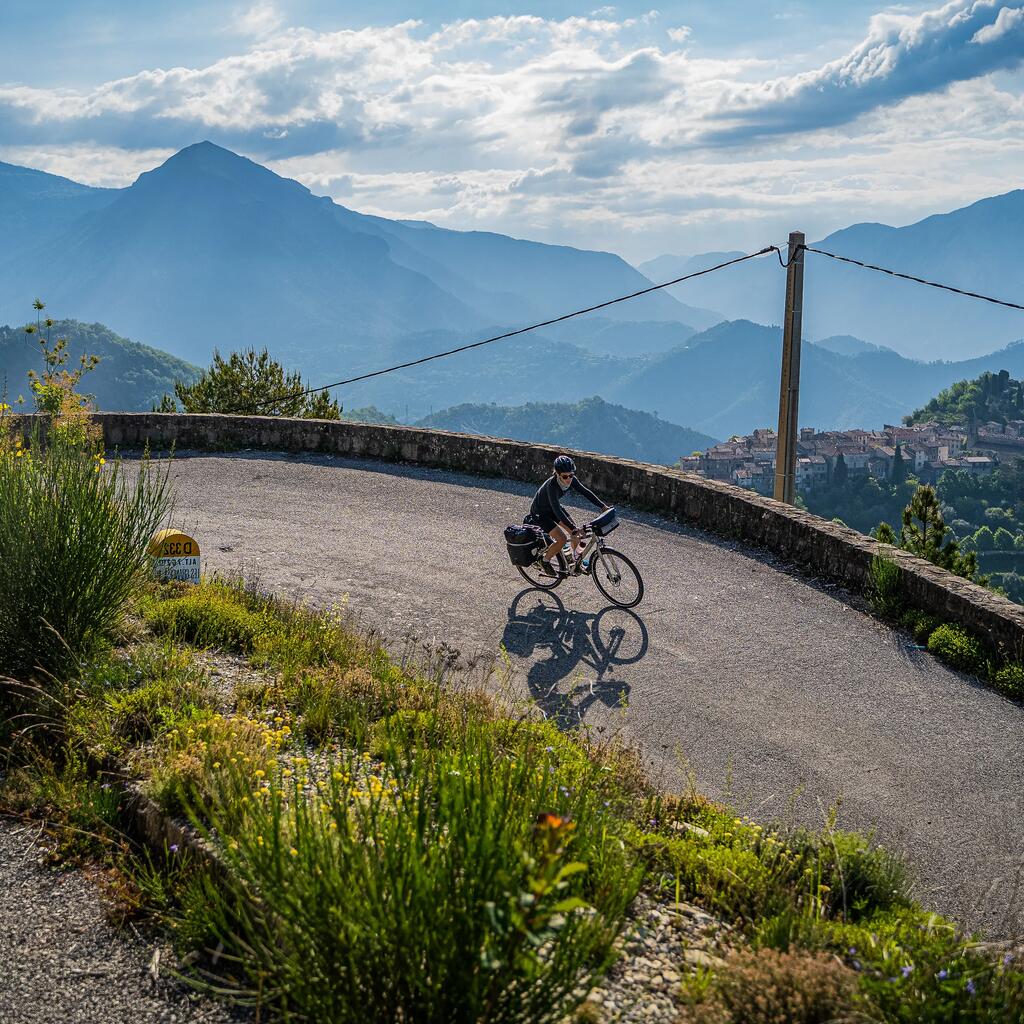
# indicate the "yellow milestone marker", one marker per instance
pixel 176 556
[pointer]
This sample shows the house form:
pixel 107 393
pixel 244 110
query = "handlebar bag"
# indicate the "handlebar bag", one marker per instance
pixel 605 523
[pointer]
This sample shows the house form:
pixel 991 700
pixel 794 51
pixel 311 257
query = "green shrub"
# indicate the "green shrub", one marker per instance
pixel 920 624
pixel 74 536
pixel 1009 681
pixel 288 638
pixel 122 701
pixel 957 648
pixel 885 589
pixel 737 868
pixel 209 615
pixel 912 967
pixel 857 879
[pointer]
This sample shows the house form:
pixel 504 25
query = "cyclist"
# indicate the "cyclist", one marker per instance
pixel 549 514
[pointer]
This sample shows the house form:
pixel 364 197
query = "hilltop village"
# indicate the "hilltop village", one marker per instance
pixel 894 452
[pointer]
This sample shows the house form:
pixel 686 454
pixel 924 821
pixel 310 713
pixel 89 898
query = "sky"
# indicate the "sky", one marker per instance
pixel 685 128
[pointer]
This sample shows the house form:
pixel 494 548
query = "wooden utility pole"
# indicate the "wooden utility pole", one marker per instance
pixel 789 388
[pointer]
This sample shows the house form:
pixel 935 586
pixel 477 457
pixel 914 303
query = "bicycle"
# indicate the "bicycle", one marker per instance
pixel 613 573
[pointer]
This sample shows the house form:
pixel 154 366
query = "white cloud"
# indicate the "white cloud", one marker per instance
pixel 576 129
pixel 1008 20
pixel 901 56
pixel 260 20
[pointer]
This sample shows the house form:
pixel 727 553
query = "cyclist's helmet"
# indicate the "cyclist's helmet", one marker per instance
pixel 563 464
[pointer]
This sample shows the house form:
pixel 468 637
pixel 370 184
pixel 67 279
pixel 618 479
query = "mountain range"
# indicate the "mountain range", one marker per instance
pixel 211 249
pixel 976 248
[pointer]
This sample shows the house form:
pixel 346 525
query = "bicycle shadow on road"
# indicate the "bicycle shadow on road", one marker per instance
pixel 589 644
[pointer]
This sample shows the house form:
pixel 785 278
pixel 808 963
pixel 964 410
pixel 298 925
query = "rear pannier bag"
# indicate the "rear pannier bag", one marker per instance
pixel 524 543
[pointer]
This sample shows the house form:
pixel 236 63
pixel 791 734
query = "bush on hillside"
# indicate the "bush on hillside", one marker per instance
pixel 250 384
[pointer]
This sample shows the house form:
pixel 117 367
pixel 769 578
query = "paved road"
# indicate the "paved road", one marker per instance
pixel 776 691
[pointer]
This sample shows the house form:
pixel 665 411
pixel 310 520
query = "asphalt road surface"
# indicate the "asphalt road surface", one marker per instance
pixel 773 689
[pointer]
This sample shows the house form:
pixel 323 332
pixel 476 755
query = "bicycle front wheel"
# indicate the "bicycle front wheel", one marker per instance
pixel 617 577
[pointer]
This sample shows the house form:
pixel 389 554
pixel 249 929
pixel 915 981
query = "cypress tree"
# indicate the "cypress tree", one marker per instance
pixel 899 467
pixel 840 472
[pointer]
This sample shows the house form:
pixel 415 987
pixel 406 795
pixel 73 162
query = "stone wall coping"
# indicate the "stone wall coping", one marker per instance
pixel 824 549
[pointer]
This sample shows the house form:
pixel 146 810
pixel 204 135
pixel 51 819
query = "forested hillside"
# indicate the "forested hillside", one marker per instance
pixel 591 425
pixel 130 377
pixel 985 513
pixel 991 397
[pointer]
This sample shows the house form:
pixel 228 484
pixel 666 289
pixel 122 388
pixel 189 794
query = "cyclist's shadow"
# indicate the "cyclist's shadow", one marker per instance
pixel 583 641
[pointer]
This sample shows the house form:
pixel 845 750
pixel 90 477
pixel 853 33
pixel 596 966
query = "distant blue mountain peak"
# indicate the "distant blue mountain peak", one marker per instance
pixel 210 162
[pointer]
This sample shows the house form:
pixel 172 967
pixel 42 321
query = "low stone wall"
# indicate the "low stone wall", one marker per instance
pixel 824 549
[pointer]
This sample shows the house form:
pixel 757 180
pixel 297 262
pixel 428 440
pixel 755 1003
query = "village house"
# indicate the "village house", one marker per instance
pixel 927 451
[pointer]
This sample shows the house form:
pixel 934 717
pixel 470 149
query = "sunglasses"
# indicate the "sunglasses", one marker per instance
pixel 566 476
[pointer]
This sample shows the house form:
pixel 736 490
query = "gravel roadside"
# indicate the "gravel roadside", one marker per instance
pixel 62 962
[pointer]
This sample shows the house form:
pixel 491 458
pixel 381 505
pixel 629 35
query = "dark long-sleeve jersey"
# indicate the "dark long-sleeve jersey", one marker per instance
pixel 547 502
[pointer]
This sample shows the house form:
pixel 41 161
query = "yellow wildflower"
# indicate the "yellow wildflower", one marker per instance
pixel 294 852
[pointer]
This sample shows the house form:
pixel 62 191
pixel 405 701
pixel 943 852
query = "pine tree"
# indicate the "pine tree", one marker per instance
pixel 251 383
pixel 925 534
pixel 840 472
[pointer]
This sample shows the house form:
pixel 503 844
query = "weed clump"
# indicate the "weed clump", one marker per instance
pixel 885 589
pixel 765 986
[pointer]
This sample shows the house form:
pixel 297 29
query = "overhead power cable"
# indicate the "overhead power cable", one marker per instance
pixel 292 397
pixel 919 280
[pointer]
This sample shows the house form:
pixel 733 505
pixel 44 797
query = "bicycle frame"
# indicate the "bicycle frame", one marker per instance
pixel 592 545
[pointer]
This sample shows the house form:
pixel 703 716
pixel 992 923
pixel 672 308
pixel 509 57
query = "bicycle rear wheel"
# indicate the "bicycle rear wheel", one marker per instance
pixel 617 577
pixel 536 578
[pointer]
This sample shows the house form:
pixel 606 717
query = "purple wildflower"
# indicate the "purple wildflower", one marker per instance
pixel 970 986
pixel 174 847
pixel 1008 959
pixel 853 950
pixel 906 969
pixel 943 974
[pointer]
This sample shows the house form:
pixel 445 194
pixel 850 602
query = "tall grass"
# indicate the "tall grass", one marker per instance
pixel 885 588
pixel 462 883
pixel 74 531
